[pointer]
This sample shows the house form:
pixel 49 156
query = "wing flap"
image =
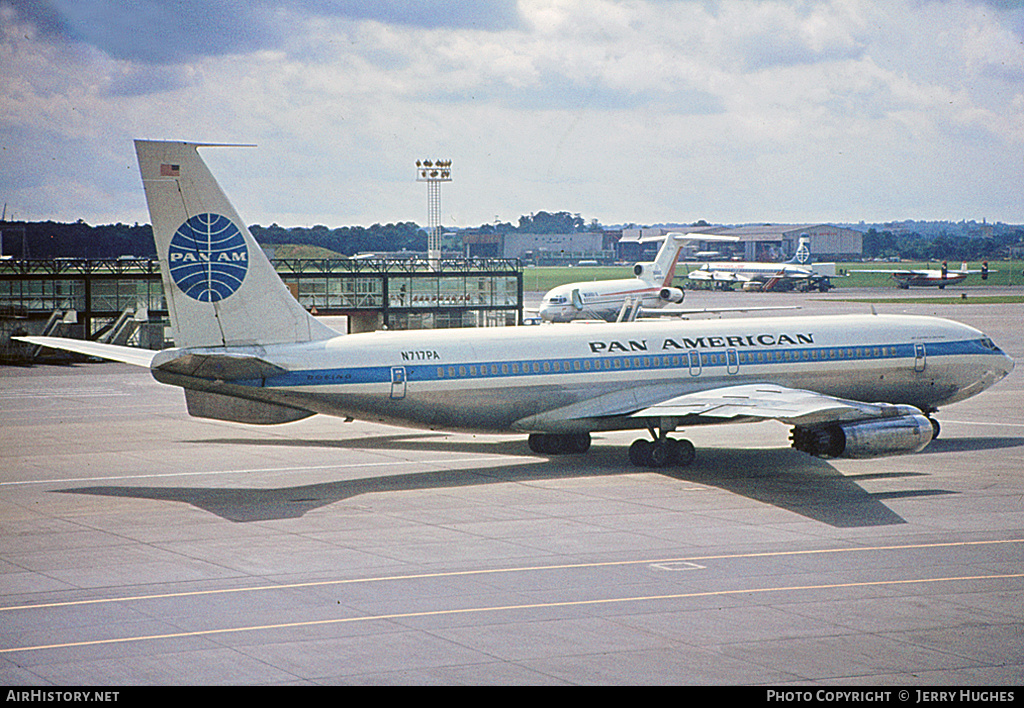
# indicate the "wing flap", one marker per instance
pixel 770 402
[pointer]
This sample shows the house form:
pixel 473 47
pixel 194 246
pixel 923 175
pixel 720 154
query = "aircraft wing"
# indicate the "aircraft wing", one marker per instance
pixel 718 276
pixel 674 312
pixel 126 355
pixel 737 404
pixel 768 402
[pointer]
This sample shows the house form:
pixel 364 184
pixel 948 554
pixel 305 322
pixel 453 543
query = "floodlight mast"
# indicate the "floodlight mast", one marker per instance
pixel 434 172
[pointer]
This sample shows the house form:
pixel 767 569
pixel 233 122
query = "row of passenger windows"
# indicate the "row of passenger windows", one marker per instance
pixel 692 359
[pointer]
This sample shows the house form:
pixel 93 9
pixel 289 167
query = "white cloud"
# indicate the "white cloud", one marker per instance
pixel 647 111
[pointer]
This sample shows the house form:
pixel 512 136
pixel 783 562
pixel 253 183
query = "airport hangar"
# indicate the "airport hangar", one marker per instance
pixel 757 242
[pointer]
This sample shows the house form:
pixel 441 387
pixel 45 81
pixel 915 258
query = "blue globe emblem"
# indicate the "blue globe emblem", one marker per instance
pixel 208 257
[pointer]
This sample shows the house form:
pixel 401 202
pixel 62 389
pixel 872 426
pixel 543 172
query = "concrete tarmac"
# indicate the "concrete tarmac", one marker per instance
pixel 140 546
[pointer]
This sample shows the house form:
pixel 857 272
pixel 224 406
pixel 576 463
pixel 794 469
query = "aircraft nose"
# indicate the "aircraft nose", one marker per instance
pixel 1007 366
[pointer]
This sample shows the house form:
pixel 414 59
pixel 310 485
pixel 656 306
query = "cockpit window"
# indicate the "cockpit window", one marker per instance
pixel 558 300
pixel 989 344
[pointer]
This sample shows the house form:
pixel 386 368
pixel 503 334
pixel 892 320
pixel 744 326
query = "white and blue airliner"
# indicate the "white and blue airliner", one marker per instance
pixel 247 351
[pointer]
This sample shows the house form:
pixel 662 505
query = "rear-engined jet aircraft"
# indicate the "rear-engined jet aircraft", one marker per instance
pixel 246 351
pixel 650 290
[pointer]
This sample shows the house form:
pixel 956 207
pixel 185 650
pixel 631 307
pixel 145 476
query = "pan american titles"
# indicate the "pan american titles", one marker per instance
pixel 716 342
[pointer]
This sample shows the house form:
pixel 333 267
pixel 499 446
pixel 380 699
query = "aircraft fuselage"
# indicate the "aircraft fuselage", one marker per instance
pixel 508 379
pixel 602 299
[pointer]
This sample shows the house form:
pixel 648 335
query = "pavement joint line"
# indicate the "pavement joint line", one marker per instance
pixel 522 569
pixel 502 608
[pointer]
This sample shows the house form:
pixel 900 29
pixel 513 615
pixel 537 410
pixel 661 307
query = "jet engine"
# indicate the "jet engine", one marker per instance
pixel 867 438
pixel 671 294
pixel 641 268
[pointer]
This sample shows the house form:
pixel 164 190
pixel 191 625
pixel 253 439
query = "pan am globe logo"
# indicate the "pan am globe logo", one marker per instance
pixel 208 257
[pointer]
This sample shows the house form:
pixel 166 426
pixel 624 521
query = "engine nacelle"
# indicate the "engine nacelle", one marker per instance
pixel 870 438
pixel 640 269
pixel 671 295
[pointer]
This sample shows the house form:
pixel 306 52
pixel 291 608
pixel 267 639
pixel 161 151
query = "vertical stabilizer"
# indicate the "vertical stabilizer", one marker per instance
pixel 220 287
pixel 667 258
pixel 803 251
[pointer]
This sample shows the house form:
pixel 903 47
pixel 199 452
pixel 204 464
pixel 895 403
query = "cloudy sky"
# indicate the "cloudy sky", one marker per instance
pixel 644 111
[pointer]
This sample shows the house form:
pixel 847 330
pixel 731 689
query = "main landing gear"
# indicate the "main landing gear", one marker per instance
pixel 663 451
pixel 560 444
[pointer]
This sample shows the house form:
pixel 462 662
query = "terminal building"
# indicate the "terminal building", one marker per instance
pixel 543 249
pixel 122 301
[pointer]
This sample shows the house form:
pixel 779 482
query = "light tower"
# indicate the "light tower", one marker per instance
pixel 434 172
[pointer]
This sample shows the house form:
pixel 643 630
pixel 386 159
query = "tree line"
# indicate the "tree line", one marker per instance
pixel 916 247
pixel 50 239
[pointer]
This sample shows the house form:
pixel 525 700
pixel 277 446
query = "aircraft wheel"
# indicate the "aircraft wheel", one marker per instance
pixel 555 444
pixel 578 444
pixel 663 453
pixel 935 428
pixel 640 453
pixel 685 453
pixel 538 443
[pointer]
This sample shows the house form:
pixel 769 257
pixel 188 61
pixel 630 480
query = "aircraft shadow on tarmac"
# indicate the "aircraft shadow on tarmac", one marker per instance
pixel 780 477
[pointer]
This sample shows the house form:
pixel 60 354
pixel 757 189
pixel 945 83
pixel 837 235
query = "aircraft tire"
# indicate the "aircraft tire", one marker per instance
pixel 663 453
pixel 578 443
pixel 640 453
pixel 935 428
pixel 685 453
pixel 556 444
pixel 538 443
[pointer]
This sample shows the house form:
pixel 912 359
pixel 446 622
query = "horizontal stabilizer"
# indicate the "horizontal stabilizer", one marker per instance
pixel 205 404
pixel 113 352
pixel 221 367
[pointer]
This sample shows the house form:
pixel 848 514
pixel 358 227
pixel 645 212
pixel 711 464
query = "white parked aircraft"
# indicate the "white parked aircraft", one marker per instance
pixel 626 298
pixel 797 271
pixel 854 386
pixel 925 277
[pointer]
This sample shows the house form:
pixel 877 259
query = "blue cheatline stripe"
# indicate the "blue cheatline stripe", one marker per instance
pixel 633 361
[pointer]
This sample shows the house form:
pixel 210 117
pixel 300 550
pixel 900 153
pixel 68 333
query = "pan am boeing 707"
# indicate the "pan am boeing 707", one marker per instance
pixel 246 351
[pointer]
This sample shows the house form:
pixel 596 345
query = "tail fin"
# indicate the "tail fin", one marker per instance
pixel 221 289
pixel 668 256
pixel 803 251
